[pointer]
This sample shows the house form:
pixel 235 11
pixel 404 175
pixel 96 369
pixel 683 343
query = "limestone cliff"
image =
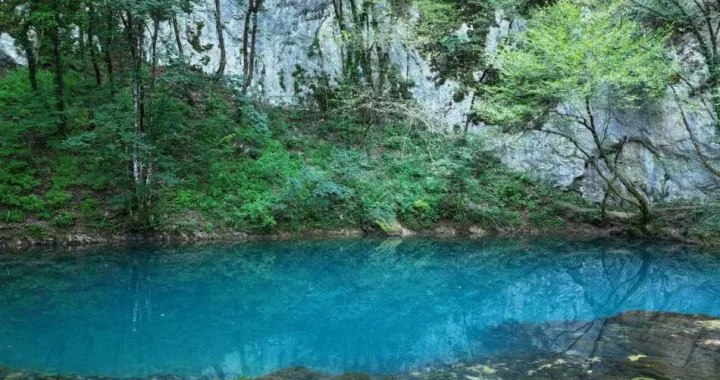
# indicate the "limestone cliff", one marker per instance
pixel 305 35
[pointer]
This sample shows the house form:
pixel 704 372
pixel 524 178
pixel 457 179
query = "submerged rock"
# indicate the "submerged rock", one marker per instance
pixel 637 344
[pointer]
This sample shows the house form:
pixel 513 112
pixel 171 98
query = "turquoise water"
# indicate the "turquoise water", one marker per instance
pixel 380 306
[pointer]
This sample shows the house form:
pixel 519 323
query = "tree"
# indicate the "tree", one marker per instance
pixel 702 157
pixel 56 37
pixel 249 41
pixel 453 34
pixel 134 20
pixel 700 19
pixel 569 72
pixel 92 48
pixel 16 17
pixel 178 40
pixel 221 38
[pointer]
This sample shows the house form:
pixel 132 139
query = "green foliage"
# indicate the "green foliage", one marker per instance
pixel 12 216
pixel 546 219
pixel 572 53
pixel 63 220
pixel 699 21
pixel 336 172
pixel 66 173
pixel 91 209
pixel 54 198
pixel 520 7
pixel 454 52
pixel 704 222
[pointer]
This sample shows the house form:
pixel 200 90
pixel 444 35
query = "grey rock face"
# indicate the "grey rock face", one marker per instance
pixel 9 58
pixel 304 34
pixel 659 156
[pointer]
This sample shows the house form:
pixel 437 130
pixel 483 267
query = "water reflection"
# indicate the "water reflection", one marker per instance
pixel 631 345
pixel 364 305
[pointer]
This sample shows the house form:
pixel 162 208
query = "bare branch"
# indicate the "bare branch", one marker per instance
pixel 703 158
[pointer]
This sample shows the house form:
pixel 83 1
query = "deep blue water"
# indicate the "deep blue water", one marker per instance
pixel 379 306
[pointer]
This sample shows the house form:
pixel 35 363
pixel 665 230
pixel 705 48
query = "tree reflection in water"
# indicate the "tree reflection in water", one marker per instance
pixel 379 306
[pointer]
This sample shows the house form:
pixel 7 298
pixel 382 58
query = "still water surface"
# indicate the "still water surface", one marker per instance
pixel 380 306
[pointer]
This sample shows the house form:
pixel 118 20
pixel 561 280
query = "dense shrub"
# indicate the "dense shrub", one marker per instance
pixel 223 164
pixel 704 222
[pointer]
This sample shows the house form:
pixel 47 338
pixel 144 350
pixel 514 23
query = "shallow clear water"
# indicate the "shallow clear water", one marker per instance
pixel 379 306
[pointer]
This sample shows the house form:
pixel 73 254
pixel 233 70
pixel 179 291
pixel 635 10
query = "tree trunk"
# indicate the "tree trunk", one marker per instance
pixel 339 16
pixel 338 7
pixel 181 52
pixel 153 51
pixel 110 25
pixel 696 144
pixel 354 12
pixel 249 41
pixel 642 202
pixel 153 78
pixel 221 38
pixel 246 42
pixel 91 44
pixel 29 55
pixel 352 54
pixel 468 118
pixel 135 30
pixel 83 46
pixel 383 58
pixel 178 40
pixel 714 84
pixel 253 36
pixel 57 62
pixel 365 51
pixel 83 56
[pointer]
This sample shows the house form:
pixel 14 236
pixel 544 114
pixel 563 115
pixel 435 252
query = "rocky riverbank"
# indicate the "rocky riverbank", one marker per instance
pixel 632 345
pixel 22 239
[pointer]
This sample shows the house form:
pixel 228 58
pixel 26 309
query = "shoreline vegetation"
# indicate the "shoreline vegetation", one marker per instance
pixel 19 241
pixel 630 345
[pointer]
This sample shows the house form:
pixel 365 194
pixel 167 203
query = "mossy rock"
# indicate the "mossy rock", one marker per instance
pixel 390 228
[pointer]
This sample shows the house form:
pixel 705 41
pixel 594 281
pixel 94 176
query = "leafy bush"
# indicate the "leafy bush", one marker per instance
pixel 54 197
pixel 221 163
pixel 66 173
pixel 185 199
pixel 12 216
pixel 546 219
pixel 63 220
pixel 90 208
pixel 704 222
pixel 257 213
pixel 32 203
